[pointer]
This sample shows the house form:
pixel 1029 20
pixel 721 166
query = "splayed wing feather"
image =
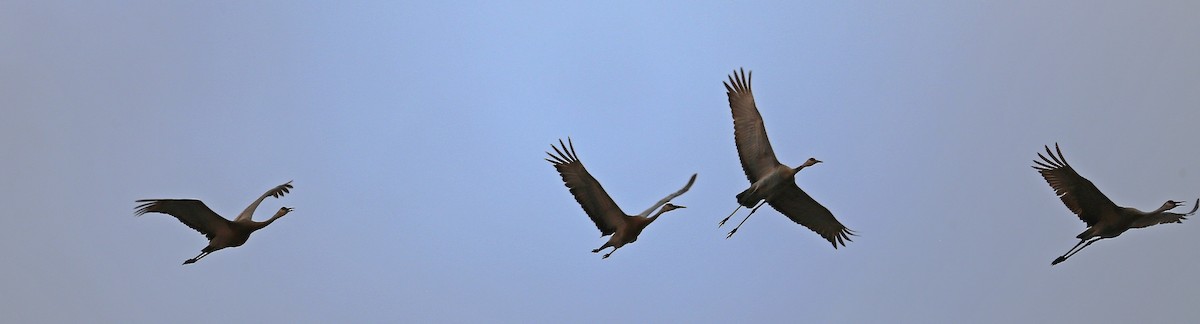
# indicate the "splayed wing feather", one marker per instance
pixel 1080 195
pixel 587 191
pixel 190 212
pixel 797 205
pixel 749 133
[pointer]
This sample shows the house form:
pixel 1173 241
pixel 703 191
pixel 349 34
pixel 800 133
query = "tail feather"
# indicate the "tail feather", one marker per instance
pixel 744 199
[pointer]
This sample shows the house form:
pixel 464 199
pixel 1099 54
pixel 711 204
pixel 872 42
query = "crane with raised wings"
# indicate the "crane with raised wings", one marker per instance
pixel 600 207
pixel 1103 217
pixel 772 182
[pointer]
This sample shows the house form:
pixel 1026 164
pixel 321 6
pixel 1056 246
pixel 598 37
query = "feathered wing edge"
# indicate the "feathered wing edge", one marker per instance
pixel 749 131
pixel 193 213
pixel 588 192
pixel 1076 192
pixel 276 192
pixel 801 208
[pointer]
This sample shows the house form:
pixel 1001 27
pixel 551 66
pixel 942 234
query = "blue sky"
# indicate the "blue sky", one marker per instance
pixel 414 133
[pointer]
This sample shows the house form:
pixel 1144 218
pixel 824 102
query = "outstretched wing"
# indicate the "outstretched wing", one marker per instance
pixel 587 191
pixel 191 212
pixel 276 192
pixel 754 149
pixel 794 203
pixel 668 198
pixel 1080 195
pixel 1164 217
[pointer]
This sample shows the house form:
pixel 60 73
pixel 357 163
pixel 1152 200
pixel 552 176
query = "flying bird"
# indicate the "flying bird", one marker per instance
pixel 1103 217
pixel 770 181
pixel 600 207
pixel 221 233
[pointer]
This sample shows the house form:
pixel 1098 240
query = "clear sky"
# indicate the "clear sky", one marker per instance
pixel 415 134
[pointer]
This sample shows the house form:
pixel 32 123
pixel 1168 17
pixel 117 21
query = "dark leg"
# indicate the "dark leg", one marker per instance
pixel 197 258
pixel 730 215
pixel 609 253
pixel 760 204
pixel 606 245
pixel 1073 250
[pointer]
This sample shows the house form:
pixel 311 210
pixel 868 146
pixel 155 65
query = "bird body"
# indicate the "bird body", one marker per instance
pixel 597 204
pixel 238 231
pixel 770 181
pixel 628 231
pixel 221 233
pixel 1103 217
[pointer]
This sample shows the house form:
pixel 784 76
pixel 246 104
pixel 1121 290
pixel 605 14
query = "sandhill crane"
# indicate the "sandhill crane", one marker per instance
pixel 1103 217
pixel 770 181
pixel 221 232
pixel 600 207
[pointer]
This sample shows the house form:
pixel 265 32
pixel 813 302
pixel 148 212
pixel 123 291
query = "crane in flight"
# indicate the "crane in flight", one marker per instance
pixel 770 181
pixel 600 207
pixel 221 232
pixel 1103 217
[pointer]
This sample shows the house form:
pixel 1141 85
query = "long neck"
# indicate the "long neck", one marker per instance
pixel 660 212
pixel 1160 210
pixel 802 166
pixel 258 225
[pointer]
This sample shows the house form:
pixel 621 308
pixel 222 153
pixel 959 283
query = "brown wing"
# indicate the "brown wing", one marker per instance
pixel 1164 217
pixel 1080 195
pixel 754 150
pixel 587 191
pixel 191 212
pixel 794 203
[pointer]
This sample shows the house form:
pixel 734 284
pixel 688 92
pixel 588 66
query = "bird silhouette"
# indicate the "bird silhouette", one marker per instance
pixel 600 207
pixel 770 181
pixel 1103 217
pixel 221 233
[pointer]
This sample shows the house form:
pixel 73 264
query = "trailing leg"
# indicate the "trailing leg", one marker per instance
pixel 722 223
pixel 606 245
pixel 764 201
pixel 606 255
pixel 197 258
pixel 1073 250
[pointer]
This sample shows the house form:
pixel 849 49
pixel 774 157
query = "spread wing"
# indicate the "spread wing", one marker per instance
pixel 587 191
pixel 191 212
pixel 754 150
pixel 668 198
pixel 794 203
pixel 276 192
pixel 1080 195
pixel 1164 217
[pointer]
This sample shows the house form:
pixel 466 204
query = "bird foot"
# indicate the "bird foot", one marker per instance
pixel 606 255
pixel 1058 260
pixel 731 233
pixel 722 223
pixel 596 251
pixel 189 261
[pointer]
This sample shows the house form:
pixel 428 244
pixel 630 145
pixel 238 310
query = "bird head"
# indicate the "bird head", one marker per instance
pixel 1171 204
pixel 283 211
pixel 669 207
pixel 808 163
